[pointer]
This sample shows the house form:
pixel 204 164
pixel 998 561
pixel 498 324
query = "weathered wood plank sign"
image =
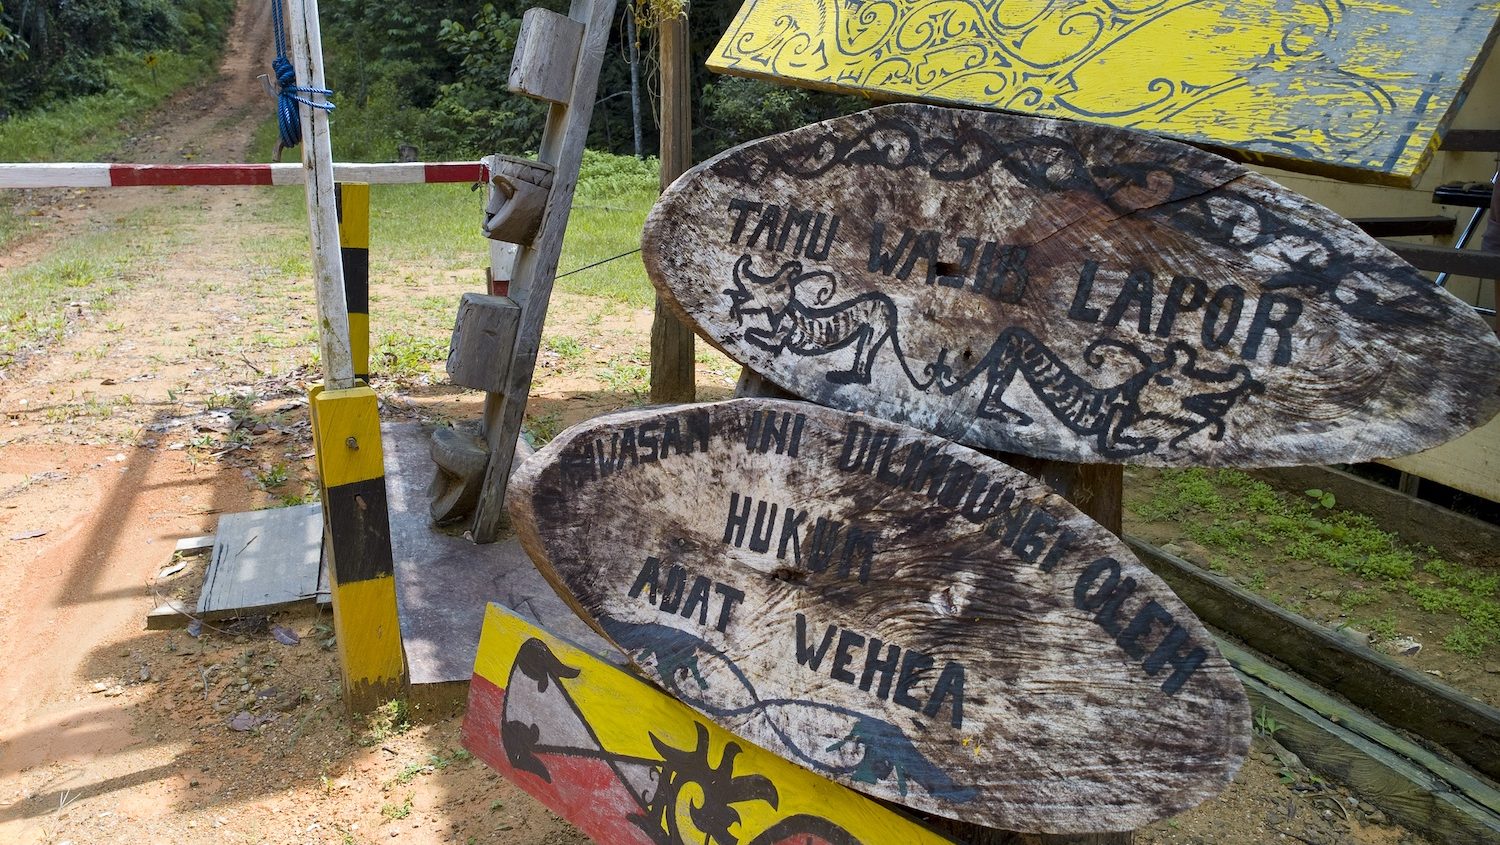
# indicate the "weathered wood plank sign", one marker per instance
pixel 1357 90
pixel 628 765
pixel 1070 292
pixel 891 610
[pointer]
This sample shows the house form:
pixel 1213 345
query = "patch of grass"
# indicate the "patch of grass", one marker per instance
pixel 406 355
pixel 1250 528
pixel 396 812
pixel 565 347
pixel 274 476
pixel 392 718
pixel 544 428
pixel 627 374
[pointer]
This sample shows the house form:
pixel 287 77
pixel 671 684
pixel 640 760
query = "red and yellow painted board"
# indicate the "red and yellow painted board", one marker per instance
pixel 1357 89
pixel 629 765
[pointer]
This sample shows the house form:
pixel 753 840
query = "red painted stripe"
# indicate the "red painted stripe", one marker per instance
pixel 453 172
pixel 150 175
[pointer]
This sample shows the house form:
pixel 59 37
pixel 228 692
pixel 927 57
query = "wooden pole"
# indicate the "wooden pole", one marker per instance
pixel 322 210
pixel 536 266
pixel 633 34
pixel 346 428
pixel 672 376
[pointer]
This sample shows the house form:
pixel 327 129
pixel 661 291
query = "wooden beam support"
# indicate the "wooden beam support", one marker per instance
pixel 1471 141
pixel 322 208
pixel 1406 227
pixel 536 266
pixel 672 373
pixel 1408 783
pixel 1444 259
pixel 546 55
pixel 1404 697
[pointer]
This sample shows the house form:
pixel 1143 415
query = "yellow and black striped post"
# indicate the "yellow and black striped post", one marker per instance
pixel 353 200
pixel 357 545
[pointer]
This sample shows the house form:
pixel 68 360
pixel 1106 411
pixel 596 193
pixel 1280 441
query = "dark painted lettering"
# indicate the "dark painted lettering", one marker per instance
pixel 1138 291
pixel 807 655
pixel 1185 294
pixel 730 596
pixel 913 664
pixel 1170 653
pixel 650 572
pixel 1281 324
pixel 1218 326
pixel 949 687
pixel 737 521
pixel 844 655
pixel 697 599
pixel 744 207
pixel 1080 309
pixel 671 592
pixel 884 667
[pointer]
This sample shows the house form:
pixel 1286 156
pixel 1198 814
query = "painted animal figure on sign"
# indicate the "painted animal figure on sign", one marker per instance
pixel 803 323
pixel 1113 415
pixel 1127 418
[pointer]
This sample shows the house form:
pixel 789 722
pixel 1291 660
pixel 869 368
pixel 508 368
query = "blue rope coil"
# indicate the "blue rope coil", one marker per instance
pixel 288 118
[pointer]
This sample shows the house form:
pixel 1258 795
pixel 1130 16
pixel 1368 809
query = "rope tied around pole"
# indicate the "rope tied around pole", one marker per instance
pixel 288 119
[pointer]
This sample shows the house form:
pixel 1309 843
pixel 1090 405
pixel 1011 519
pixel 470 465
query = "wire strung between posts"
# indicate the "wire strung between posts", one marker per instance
pixel 288 119
pixel 596 263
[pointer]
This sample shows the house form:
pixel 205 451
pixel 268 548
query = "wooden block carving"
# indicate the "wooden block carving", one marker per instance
pixel 484 339
pixel 890 610
pixel 546 56
pixel 1065 291
pixel 628 765
pixel 517 198
pixel 1358 90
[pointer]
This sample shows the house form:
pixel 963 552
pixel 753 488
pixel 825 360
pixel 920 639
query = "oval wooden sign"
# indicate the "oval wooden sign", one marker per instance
pixel 893 611
pixel 1065 291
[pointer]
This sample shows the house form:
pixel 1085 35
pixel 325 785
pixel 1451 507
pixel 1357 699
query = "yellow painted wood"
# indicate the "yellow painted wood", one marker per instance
pixel 337 416
pixel 359 343
pixel 1471 463
pixel 369 641
pixel 630 718
pixel 354 215
pixel 1358 89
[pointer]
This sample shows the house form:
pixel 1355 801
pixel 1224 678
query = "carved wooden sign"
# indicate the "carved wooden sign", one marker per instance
pixel 1065 291
pixel 1354 89
pixel 628 765
pixel 893 611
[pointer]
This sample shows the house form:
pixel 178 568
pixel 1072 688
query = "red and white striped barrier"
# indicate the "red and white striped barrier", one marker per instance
pixel 95 175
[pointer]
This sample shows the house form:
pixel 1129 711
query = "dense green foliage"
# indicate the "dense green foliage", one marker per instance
pixel 431 74
pixel 54 50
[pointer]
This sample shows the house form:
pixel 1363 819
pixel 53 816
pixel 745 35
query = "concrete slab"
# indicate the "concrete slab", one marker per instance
pixel 443 580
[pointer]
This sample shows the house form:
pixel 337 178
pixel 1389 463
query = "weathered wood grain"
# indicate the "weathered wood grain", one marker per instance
pixel 1069 292
pixel 628 765
pixel 1358 90
pixel 546 54
pixel 484 335
pixel 891 610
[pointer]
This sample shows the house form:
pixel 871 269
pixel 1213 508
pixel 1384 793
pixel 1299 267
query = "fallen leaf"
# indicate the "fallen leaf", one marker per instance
pixel 195 628
pixel 285 635
pixel 27 535
pixel 172 570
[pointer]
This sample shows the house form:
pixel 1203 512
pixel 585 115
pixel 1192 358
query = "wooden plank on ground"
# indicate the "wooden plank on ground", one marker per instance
pixel 1064 291
pixel 891 610
pixel 629 765
pixel 1402 696
pixel 1357 90
pixel 263 561
pixel 1457 777
pixel 1406 791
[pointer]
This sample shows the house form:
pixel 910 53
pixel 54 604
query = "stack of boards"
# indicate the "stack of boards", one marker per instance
pixel 845 583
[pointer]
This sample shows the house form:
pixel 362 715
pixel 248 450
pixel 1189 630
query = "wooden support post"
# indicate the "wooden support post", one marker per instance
pixel 346 427
pixel 672 375
pixel 562 145
pixel 353 200
pixel 357 546
pixel 322 209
